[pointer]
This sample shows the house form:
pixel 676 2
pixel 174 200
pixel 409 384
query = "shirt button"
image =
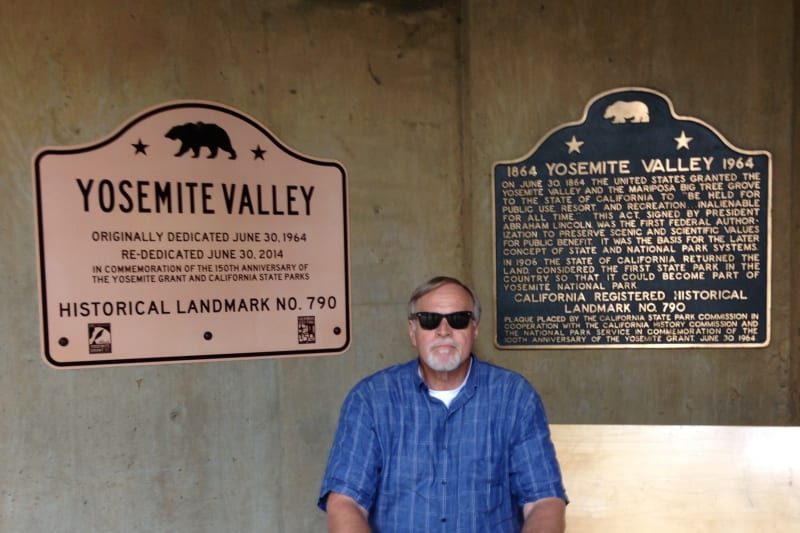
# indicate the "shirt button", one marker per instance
pixel 444 519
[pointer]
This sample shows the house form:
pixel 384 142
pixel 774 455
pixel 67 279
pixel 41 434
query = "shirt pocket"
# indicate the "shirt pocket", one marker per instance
pixel 491 487
pixel 410 474
pixel 490 494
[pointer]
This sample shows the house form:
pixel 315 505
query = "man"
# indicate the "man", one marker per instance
pixel 446 442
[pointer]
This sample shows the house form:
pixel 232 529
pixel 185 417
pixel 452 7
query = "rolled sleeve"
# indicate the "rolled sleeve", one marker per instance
pixel 534 466
pixel 354 460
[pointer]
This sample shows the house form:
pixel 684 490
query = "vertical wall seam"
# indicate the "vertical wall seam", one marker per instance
pixel 794 313
pixel 465 140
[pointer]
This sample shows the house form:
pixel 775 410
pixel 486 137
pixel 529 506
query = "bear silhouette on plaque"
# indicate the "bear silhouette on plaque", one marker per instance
pixel 196 135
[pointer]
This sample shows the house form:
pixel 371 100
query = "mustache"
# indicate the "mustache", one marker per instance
pixel 443 342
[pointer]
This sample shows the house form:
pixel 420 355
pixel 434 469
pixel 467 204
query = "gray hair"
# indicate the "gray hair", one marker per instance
pixel 433 284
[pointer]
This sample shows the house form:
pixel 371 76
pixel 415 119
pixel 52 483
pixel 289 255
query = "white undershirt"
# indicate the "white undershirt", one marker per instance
pixel 447 396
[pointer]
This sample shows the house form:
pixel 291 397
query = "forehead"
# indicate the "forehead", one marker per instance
pixel 448 298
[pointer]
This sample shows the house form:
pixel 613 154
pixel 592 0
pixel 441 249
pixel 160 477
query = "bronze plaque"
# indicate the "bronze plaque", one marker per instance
pixel 633 228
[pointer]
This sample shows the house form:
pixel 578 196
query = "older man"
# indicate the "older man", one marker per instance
pixel 444 442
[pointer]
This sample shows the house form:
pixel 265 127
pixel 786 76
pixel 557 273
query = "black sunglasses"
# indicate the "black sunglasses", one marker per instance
pixel 457 320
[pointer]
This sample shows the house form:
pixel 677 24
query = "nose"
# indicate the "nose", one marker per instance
pixel 443 329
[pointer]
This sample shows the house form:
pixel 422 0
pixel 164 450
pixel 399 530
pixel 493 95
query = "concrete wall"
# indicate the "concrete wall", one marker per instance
pixel 417 100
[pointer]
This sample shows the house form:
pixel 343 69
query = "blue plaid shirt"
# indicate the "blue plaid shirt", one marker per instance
pixel 418 466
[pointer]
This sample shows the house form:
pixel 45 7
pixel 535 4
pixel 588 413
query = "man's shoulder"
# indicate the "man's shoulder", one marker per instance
pixel 494 375
pixel 495 371
pixel 394 375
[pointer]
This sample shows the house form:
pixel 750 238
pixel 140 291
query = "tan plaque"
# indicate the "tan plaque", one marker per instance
pixel 191 233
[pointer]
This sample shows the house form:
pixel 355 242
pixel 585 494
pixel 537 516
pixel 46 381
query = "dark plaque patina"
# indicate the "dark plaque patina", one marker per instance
pixel 633 227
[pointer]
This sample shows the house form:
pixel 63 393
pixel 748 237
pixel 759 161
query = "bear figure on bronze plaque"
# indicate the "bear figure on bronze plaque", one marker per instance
pixel 621 112
pixel 195 135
